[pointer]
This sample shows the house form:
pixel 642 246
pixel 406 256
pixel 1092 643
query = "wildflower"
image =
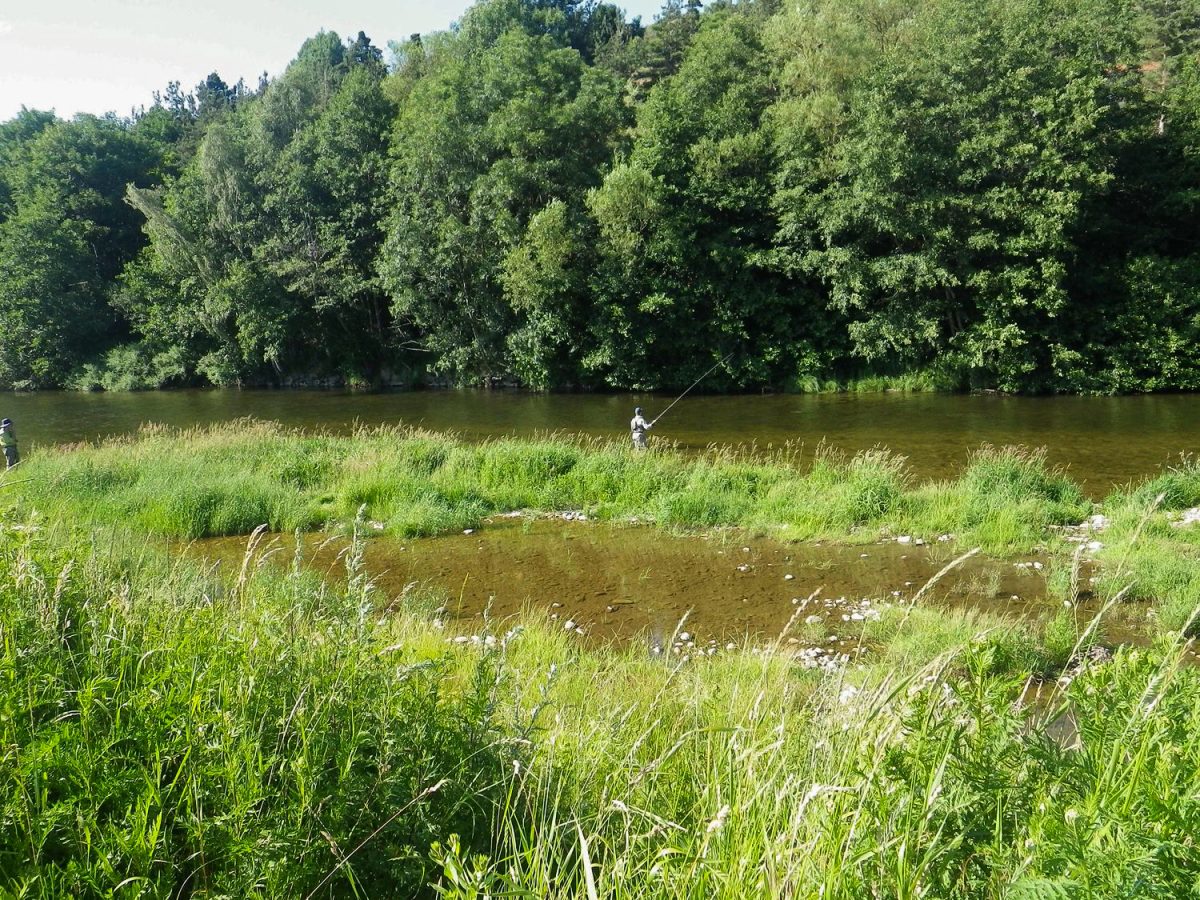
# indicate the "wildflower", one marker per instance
pixel 1071 815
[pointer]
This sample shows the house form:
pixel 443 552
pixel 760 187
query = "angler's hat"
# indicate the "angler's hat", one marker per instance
pixel 636 412
pixel 5 422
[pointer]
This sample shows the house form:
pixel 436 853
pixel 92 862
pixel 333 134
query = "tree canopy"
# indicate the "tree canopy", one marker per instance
pixel 999 193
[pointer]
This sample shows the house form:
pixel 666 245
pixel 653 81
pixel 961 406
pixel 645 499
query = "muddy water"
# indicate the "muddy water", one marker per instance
pixel 622 581
pixel 1102 440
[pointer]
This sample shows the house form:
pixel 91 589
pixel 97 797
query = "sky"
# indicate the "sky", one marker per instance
pixel 97 56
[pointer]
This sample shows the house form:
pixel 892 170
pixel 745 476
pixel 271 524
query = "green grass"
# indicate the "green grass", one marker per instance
pixel 230 479
pixel 164 732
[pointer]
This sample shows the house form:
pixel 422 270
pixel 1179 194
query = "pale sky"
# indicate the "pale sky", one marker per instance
pixel 97 56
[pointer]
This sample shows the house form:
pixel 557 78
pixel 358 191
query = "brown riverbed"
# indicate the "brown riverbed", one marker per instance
pixel 617 581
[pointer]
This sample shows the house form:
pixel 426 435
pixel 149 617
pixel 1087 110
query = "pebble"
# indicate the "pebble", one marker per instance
pixel 789 577
pixel 569 625
pixel 468 531
pixel 904 539
pixel 685 636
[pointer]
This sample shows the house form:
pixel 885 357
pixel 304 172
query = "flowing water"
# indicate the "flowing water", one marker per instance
pixel 1102 441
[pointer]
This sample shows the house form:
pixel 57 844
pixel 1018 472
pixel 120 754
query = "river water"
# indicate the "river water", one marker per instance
pixel 1101 441
pixel 614 581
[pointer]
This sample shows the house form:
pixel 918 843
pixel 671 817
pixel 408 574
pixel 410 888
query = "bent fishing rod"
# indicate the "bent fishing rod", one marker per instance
pixel 693 384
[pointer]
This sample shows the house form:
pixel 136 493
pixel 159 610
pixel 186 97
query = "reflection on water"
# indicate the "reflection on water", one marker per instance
pixel 1103 441
pixel 621 581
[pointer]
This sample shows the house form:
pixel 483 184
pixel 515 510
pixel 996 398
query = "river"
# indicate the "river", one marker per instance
pixel 1101 441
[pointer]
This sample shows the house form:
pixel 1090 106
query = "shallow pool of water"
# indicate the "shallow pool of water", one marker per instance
pixel 620 581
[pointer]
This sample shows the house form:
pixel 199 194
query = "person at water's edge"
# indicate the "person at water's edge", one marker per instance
pixel 8 440
pixel 638 427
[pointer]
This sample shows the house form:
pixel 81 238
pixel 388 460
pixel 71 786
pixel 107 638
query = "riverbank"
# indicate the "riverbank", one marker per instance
pixel 1102 442
pixel 261 730
pixel 230 479
pixel 275 735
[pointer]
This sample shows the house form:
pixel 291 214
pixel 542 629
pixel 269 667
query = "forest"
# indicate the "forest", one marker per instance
pixel 967 194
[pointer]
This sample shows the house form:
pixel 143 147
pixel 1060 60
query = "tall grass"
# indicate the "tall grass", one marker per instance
pixel 230 479
pixel 165 732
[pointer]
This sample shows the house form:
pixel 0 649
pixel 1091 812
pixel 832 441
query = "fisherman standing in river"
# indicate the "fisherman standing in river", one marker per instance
pixel 638 426
pixel 8 440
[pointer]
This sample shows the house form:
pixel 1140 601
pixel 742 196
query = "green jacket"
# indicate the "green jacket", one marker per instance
pixel 8 437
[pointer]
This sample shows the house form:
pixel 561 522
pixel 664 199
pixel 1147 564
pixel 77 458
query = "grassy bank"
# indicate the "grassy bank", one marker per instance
pixel 164 733
pixel 230 479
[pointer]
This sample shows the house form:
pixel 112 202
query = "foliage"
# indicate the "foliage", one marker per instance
pixel 992 194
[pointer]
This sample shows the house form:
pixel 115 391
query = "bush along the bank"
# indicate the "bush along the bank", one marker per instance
pixel 167 733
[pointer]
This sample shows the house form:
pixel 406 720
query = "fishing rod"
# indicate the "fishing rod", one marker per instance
pixel 693 384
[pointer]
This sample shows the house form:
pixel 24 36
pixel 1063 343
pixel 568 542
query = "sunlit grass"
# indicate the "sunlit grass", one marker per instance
pixel 167 729
pixel 228 480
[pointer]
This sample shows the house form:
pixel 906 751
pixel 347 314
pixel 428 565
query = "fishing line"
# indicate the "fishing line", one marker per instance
pixel 693 384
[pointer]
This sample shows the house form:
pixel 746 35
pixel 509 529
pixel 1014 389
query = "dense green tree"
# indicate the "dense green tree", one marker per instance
pixel 1003 191
pixel 945 217
pixel 510 120
pixel 686 230
pixel 64 242
pixel 324 207
pixel 262 251
pixel 16 137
